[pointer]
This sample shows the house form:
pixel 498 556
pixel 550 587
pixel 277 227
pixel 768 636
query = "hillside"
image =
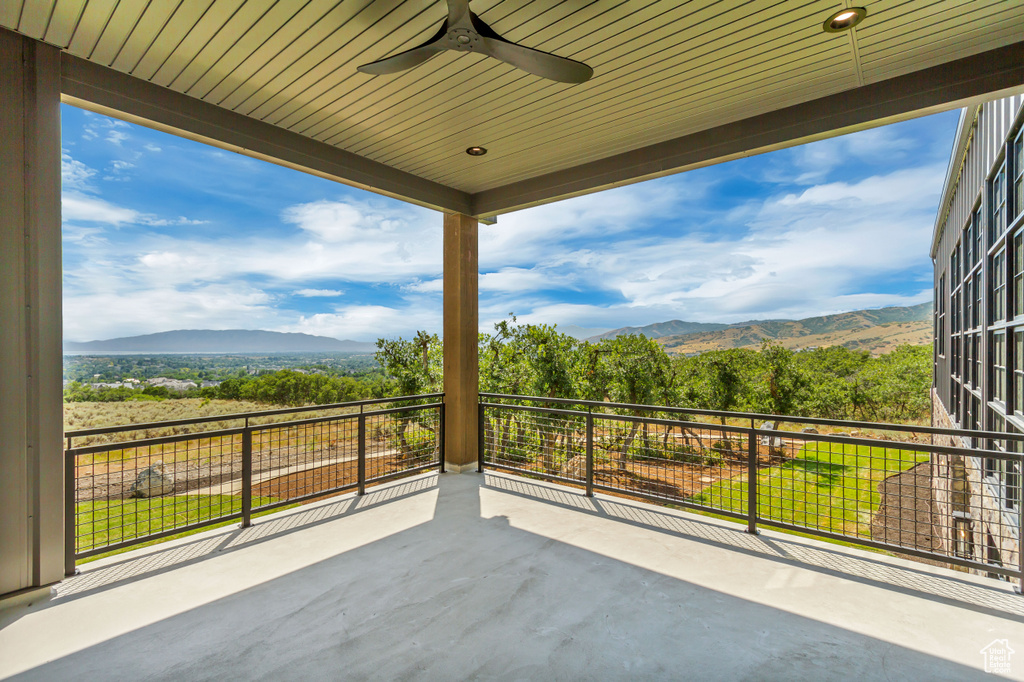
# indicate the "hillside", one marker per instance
pixel 221 341
pixel 877 331
pixel 662 329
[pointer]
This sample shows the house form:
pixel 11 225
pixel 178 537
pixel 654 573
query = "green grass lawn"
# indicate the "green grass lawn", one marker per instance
pixel 102 523
pixel 827 486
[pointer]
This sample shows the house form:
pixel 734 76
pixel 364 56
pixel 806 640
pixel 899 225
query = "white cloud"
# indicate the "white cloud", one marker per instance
pixel 318 293
pixel 152 148
pixel 147 309
pixel 393 244
pixel 79 206
pixel 796 256
pixel 817 159
pixel 180 220
pixel 371 321
pixel 74 174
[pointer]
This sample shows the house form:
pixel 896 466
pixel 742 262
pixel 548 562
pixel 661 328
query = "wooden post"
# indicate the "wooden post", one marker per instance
pixel 460 342
pixel 32 543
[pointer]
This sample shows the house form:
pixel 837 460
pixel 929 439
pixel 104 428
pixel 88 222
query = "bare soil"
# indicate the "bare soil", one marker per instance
pixel 906 515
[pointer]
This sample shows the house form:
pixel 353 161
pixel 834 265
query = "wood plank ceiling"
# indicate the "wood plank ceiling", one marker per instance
pixel 663 68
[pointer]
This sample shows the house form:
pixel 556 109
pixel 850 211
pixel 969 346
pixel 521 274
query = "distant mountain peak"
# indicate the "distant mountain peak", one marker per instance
pixel 221 341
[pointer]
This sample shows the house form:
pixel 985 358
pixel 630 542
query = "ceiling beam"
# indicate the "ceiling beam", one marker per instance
pixel 115 94
pixel 970 80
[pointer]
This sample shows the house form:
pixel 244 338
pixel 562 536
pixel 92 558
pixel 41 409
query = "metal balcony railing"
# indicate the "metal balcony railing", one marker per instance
pixel 913 490
pixel 883 486
pixel 136 483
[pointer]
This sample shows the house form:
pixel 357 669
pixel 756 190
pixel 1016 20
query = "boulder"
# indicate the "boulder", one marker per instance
pixel 768 441
pixel 808 429
pixel 575 467
pixel 152 482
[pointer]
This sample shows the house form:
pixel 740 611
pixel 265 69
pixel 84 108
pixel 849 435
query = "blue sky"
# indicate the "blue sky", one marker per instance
pixel 164 233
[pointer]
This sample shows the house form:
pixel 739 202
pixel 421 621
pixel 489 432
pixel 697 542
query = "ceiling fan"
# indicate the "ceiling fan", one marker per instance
pixel 464 31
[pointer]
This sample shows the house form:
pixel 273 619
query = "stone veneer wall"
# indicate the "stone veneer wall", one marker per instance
pixel 957 486
pixel 943 478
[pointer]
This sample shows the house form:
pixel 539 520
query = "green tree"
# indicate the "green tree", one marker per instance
pixel 639 373
pixel 719 380
pixel 411 368
pixel 780 385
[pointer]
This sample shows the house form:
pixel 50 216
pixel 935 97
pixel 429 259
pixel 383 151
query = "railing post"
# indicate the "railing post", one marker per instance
pixel 440 436
pixel 1020 531
pixel 246 475
pixel 752 480
pixel 480 439
pixel 70 498
pixel 361 453
pixel 590 452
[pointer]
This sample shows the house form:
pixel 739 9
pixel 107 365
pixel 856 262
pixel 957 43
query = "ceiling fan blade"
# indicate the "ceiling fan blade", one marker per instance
pixel 532 61
pixel 409 58
pixel 457 10
pixel 538 63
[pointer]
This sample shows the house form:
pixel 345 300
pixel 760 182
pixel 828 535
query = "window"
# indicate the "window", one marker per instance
pixel 1018 274
pixel 1011 481
pixel 940 328
pixel 954 267
pixel 972 363
pixel 1018 373
pixel 968 304
pixel 998 303
pixel 954 353
pixel 998 223
pixel 1003 474
pixel 977 373
pixel 968 360
pixel 968 247
pixel 1018 174
pixel 979 236
pixel 998 362
pixel 963 535
pixel 976 316
pixel 954 313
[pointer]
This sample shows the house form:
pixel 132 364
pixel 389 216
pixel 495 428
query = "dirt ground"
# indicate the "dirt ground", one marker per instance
pixel 906 515
pixel 332 476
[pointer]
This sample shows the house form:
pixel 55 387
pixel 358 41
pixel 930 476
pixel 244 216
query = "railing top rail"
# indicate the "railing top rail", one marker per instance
pixel 339 417
pixel 878 426
pixel 788 435
pixel 242 415
pixel 146 442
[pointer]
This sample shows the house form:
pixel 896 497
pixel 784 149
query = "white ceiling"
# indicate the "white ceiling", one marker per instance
pixel 663 69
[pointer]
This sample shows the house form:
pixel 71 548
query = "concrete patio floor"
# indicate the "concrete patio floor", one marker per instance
pixel 497 577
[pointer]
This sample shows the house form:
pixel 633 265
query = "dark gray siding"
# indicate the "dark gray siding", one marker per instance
pixel 980 396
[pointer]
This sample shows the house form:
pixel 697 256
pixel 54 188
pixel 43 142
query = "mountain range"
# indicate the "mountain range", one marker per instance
pixel 221 341
pixel 877 331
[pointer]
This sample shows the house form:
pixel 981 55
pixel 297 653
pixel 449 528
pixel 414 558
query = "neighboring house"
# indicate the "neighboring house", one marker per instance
pixel 978 255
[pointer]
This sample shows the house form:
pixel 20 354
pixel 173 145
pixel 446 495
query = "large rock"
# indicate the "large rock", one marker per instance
pixel 575 467
pixel 769 441
pixel 808 429
pixel 152 482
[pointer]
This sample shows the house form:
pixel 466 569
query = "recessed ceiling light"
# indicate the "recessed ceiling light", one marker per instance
pixel 844 19
pixel 476 151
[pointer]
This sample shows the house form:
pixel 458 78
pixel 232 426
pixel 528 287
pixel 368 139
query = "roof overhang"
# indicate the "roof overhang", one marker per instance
pixel 677 85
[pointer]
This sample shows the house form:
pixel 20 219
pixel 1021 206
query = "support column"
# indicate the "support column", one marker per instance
pixel 460 341
pixel 31 450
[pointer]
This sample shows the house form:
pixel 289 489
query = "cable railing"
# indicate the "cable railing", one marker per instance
pixel 128 490
pixel 944 495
